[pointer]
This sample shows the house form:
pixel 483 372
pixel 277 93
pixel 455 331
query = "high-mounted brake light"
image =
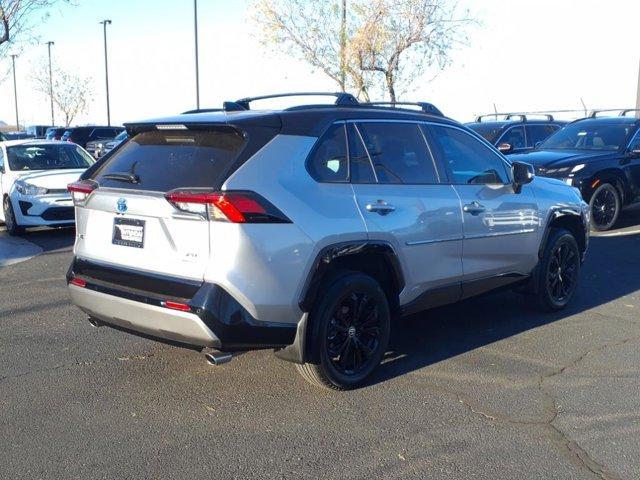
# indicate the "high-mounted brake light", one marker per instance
pixel 80 191
pixel 233 206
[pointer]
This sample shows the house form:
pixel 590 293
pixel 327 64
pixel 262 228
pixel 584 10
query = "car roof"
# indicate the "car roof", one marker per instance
pixel 308 120
pixel 609 121
pixel 507 123
pixel 13 143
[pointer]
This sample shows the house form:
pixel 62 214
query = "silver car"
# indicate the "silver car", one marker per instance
pixel 310 230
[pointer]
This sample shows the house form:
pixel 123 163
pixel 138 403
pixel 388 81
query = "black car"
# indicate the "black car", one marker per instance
pixel 82 135
pixel 516 132
pixel 37 131
pixel 598 155
pixel 54 133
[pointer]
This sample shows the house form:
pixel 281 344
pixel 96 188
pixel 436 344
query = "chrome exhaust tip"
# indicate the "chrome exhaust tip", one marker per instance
pixel 94 322
pixel 218 358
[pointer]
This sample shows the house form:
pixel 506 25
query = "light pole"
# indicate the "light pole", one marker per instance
pixel 53 122
pixel 15 88
pixel 106 67
pixel 195 24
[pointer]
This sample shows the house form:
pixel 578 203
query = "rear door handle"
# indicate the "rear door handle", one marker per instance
pixel 380 207
pixel 474 208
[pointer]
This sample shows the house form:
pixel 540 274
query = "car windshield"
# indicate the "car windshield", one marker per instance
pixel 47 157
pixel 489 132
pixel 580 136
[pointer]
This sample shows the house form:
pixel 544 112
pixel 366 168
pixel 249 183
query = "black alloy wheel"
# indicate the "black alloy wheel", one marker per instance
pixel 562 272
pixel 353 334
pixel 349 332
pixel 605 207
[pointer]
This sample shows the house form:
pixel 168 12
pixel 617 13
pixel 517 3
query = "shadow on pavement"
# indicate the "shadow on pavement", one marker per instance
pixel 609 272
pixel 52 239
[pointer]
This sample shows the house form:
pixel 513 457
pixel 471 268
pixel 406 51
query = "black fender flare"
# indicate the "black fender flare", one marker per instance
pixel 328 254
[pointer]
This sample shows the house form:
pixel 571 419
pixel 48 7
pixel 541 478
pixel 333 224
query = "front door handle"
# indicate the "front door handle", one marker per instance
pixel 474 208
pixel 381 207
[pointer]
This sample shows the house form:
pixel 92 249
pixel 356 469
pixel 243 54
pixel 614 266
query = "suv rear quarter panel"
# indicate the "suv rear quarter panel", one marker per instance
pixel 265 266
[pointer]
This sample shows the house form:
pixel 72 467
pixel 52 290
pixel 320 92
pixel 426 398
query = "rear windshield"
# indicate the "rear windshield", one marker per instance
pixel 47 157
pixel 162 160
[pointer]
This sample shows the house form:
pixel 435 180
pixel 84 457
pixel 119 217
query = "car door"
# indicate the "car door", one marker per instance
pixel 2 180
pixel 403 201
pixel 501 227
pixel 632 166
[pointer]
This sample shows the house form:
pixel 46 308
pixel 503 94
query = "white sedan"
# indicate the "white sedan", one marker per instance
pixel 34 175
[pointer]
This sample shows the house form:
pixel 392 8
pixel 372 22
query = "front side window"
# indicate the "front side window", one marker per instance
pixel 468 159
pixel 539 133
pixel 328 161
pixel 587 136
pixel 514 137
pixel 47 157
pixel 398 153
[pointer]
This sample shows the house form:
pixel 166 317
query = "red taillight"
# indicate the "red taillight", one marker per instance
pixel 234 207
pixel 183 307
pixel 78 282
pixel 81 190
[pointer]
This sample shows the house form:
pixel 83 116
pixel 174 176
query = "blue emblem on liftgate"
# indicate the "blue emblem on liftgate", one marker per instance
pixel 122 205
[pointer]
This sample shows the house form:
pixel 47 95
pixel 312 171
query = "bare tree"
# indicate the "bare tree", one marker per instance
pixel 314 31
pixel 367 45
pixel 72 94
pixel 17 18
pixel 400 40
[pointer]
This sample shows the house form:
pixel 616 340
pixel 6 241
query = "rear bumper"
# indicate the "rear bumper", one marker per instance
pixel 135 301
pixel 158 322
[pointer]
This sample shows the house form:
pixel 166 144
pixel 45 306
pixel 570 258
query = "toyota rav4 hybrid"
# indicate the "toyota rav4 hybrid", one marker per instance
pixel 34 175
pixel 600 156
pixel 310 230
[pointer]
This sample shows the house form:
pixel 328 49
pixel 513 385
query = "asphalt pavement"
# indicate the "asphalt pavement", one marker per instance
pixel 485 389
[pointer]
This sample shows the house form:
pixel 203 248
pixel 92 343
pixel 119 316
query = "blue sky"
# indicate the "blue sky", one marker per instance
pixel 527 54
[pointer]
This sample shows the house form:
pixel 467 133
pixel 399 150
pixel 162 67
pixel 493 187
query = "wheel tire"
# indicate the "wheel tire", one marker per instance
pixel 605 206
pixel 558 271
pixel 339 336
pixel 10 219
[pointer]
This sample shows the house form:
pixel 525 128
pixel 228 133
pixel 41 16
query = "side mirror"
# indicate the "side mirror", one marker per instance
pixel 522 173
pixel 505 147
pixel 537 144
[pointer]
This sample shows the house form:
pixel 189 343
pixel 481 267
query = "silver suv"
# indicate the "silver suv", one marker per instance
pixel 310 230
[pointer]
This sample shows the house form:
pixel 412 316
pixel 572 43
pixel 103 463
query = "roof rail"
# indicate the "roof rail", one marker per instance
pixel 623 111
pixel 202 110
pixel 627 110
pixel 342 98
pixel 429 108
pixel 524 116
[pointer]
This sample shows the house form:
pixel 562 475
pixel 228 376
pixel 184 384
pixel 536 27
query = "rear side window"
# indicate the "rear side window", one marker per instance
pixel 163 160
pixel 468 160
pixel 328 161
pixel 398 152
pixel 361 166
pixel 539 133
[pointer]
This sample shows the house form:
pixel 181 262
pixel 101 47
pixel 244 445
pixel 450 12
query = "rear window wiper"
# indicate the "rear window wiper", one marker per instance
pixel 122 177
